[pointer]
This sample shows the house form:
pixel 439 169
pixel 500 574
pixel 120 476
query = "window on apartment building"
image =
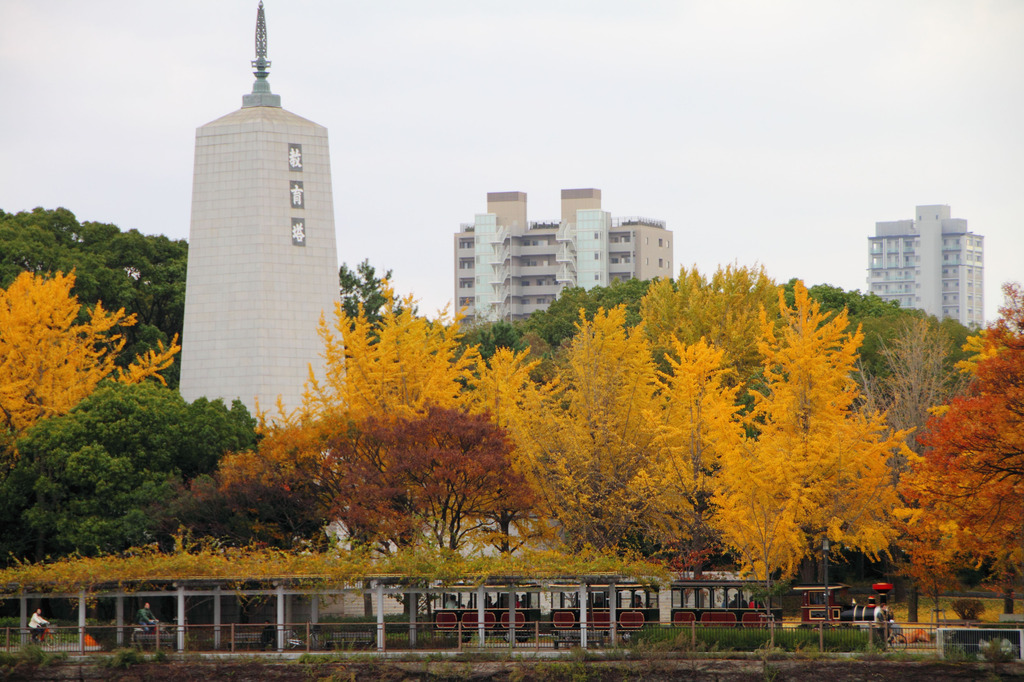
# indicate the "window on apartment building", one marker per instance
pixel 625 238
pixel 625 259
pixel 465 264
pixel 659 263
pixel 597 276
pixel 597 255
pixel 466 284
pixel 659 241
pixel 526 282
pixel 540 282
pixel 614 260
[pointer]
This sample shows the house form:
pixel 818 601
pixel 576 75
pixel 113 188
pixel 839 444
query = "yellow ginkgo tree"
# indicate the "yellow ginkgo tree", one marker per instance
pixel 591 448
pixel 723 309
pixel 820 462
pixel 50 360
pixel 700 425
pixel 394 368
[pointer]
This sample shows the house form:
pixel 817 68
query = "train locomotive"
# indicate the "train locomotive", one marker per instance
pixel 833 606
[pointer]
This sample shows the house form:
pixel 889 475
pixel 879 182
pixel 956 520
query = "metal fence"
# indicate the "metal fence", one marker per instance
pixel 537 636
pixel 986 643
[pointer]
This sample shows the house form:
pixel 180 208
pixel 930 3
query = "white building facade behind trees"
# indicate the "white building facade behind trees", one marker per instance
pixel 507 267
pixel 932 262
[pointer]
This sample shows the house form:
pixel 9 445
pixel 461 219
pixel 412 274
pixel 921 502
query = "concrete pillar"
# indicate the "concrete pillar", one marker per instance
pixel 583 615
pixel 613 594
pixel 280 616
pixel 119 618
pixel 22 616
pixel 314 608
pixel 413 605
pixel 81 621
pixel 512 615
pixel 380 617
pixel 181 617
pixel 217 617
pixel 480 625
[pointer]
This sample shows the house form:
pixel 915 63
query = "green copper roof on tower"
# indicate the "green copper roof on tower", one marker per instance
pixel 261 95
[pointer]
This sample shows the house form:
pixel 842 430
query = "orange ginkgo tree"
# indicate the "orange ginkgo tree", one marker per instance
pixel 52 355
pixel 972 471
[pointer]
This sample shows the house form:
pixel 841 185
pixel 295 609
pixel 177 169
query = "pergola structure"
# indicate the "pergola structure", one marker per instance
pixel 285 590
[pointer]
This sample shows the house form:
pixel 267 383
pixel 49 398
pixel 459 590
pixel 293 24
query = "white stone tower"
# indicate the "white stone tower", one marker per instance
pixel 262 261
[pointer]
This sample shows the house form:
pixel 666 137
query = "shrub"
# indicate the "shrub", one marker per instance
pixel 968 609
pixel 125 658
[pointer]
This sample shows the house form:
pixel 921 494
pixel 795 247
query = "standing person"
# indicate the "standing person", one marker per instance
pixel 38 626
pixel 145 617
pixel 881 624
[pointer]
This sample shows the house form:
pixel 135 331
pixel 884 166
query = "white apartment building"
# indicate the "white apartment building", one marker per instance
pixel 506 267
pixel 933 263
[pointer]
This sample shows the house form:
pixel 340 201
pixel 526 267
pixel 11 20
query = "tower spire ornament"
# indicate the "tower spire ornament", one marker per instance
pixel 261 95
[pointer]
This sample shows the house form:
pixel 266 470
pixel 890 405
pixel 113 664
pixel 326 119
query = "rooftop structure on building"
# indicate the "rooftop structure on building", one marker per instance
pixel 507 267
pixel 932 263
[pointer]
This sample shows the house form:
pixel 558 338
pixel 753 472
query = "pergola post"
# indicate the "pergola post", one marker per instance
pixel 280 616
pixel 613 593
pixel 314 608
pixel 181 617
pixel 217 616
pixel 23 617
pixel 119 618
pixel 583 615
pixel 81 621
pixel 380 616
pixel 413 606
pixel 480 625
pixel 511 616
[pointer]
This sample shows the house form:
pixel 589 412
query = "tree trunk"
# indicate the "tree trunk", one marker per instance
pixel 912 598
pixel 1008 601
pixel 367 600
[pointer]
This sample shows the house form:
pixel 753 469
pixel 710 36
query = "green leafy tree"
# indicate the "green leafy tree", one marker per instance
pixel 559 321
pixel 489 337
pixel 143 274
pixel 362 287
pixel 96 480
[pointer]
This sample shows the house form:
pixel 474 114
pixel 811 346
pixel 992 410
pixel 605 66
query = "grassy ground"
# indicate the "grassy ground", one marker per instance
pixel 926 606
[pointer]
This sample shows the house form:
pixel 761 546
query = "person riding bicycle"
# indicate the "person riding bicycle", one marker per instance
pixel 38 626
pixel 146 618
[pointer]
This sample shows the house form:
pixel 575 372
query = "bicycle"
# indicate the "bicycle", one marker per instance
pixel 896 640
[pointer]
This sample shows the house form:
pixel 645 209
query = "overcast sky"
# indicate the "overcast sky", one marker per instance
pixel 773 132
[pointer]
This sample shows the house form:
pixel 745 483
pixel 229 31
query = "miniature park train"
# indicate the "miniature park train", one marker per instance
pixel 712 601
pixel 715 601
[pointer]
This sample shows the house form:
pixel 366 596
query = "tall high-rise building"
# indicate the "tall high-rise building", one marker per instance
pixel 507 267
pixel 262 262
pixel 933 263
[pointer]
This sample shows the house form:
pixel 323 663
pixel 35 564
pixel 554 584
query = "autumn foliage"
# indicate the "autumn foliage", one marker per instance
pixel 966 493
pixel 53 354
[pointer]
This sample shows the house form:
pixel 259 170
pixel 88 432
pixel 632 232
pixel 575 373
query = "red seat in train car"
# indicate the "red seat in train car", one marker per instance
pixel 520 619
pixel 563 619
pixel 447 620
pixel 469 619
pixel 724 618
pixel 755 620
pixel 630 620
pixel 683 617
pixel 600 619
